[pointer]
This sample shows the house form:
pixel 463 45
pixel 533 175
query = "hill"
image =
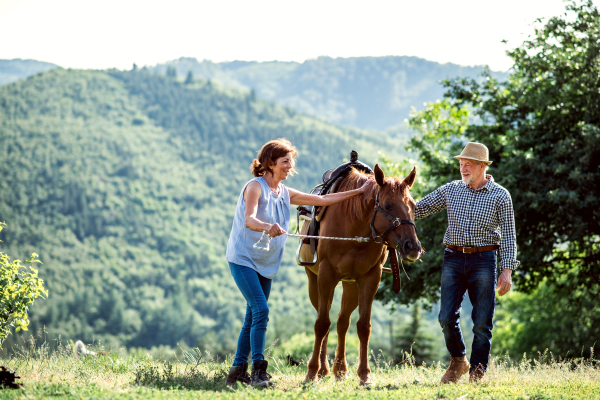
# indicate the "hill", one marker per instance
pixel 12 70
pixel 125 183
pixel 366 92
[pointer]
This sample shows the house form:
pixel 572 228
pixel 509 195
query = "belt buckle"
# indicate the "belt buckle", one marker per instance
pixel 467 250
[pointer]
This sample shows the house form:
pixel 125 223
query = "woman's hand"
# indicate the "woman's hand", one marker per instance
pixel 365 186
pixel 276 230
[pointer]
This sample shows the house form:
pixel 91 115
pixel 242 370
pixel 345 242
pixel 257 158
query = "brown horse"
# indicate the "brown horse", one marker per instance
pixel 357 265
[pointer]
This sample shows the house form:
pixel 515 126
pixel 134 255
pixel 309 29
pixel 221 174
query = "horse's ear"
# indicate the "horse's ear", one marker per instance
pixel 379 175
pixel 410 179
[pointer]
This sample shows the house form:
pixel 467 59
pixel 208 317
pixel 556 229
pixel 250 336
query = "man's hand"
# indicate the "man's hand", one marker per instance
pixel 504 282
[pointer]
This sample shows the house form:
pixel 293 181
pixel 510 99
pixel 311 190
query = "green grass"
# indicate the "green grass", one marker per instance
pixel 114 375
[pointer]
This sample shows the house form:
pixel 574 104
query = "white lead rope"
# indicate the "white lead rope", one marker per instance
pixel 266 247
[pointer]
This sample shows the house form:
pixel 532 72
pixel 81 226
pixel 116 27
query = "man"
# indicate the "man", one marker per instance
pixel 481 225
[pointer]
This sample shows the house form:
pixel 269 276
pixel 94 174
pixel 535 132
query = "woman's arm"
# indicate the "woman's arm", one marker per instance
pixel 300 198
pixel 251 196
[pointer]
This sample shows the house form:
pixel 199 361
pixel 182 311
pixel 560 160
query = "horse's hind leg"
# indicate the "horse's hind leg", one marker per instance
pixel 326 284
pixel 349 304
pixel 313 293
pixel 367 288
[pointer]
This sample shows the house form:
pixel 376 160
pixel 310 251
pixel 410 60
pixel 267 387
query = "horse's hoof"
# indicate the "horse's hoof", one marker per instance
pixel 308 383
pixel 368 384
pixel 309 380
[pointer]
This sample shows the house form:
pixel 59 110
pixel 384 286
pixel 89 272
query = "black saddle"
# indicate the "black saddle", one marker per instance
pixel 330 179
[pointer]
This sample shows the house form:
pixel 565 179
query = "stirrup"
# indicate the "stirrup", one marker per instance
pixel 302 262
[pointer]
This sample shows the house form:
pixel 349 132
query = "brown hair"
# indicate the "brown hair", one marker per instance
pixel 268 155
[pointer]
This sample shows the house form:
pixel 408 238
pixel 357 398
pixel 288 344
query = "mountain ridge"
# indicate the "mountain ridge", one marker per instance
pixel 15 69
pixel 366 92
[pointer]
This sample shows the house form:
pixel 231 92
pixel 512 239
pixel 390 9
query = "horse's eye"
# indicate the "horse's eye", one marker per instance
pixel 388 206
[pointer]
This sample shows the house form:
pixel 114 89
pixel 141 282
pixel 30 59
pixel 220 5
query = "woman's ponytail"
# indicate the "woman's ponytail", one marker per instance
pixel 257 168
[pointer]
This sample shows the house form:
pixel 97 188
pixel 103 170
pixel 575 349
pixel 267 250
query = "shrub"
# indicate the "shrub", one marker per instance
pixel 19 287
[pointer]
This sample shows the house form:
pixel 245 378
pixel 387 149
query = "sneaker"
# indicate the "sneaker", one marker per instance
pixel 260 377
pixel 458 367
pixel 239 374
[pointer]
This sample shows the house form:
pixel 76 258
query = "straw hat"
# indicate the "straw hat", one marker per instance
pixel 475 151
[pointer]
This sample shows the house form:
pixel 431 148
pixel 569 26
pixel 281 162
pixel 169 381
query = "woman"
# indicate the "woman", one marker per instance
pixel 264 206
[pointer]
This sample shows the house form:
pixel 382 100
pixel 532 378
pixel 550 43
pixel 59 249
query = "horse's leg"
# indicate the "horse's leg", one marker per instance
pixel 367 287
pixel 324 363
pixel 326 284
pixel 313 293
pixel 349 304
pixel 313 288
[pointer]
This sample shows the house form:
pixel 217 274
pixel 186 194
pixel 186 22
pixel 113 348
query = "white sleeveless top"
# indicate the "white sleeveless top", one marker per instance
pixel 272 208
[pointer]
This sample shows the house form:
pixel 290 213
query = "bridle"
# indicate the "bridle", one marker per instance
pixel 396 222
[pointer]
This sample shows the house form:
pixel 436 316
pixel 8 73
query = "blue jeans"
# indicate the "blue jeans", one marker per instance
pixel 255 288
pixel 475 274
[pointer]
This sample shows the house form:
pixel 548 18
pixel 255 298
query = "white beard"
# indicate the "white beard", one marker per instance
pixel 468 179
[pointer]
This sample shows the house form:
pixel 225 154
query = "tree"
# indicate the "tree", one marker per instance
pixel 18 289
pixel 566 325
pixel 171 72
pixel 189 78
pixel 542 127
pixel 414 340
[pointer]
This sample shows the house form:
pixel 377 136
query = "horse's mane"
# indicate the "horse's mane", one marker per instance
pixel 355 207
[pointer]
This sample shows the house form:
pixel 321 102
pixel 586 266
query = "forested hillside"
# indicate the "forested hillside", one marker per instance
pixel 125 184
pixel 366 92
pixel 12 70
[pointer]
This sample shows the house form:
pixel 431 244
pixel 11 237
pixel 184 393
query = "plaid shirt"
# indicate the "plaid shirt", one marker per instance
pixel 481 217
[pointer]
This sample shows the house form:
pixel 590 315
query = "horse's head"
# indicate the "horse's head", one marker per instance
pixel 396 214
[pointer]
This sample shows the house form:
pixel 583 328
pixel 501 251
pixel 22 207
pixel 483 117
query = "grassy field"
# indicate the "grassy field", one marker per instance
pixel 113 375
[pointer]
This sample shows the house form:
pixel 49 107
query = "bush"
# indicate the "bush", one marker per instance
pixel 19 287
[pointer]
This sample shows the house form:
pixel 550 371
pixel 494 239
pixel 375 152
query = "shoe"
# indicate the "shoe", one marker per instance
pixel 260 377
pixel 476 375
pixel 239 374
pixel 458 367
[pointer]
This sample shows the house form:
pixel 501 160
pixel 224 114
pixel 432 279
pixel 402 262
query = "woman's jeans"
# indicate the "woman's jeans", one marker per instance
pixel 255 288
pixel 475 274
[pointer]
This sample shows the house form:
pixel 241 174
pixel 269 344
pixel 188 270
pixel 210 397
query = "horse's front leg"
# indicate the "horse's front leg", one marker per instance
pixel 313 293
pixel 367 288
pixel 324 363
pixel 326 283
pixel 349 304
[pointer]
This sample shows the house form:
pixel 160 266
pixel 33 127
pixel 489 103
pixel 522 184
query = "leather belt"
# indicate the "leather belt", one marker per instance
pixel 470 250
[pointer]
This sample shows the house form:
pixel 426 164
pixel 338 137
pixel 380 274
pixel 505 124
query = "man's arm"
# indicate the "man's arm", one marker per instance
pixel 508 246
pixel 432 203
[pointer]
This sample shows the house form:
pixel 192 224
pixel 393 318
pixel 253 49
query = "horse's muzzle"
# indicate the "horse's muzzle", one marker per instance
pixel 410 250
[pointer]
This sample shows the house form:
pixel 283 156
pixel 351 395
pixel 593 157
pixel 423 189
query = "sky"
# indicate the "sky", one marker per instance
pixel 94 34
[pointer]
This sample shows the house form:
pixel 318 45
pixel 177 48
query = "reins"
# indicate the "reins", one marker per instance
pixel 269 237
pixel 380 239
